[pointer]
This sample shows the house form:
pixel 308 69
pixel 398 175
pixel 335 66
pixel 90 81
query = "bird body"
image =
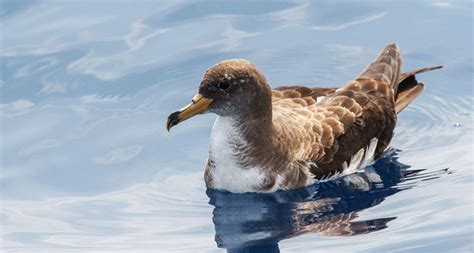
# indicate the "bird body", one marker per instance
pixel 265 140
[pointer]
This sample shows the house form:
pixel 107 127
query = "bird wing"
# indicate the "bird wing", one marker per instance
pixel 330 127
pixel 348 126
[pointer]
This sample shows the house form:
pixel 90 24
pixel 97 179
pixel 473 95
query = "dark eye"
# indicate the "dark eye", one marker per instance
pixel 224 85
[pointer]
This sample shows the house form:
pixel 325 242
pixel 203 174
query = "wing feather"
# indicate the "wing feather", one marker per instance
pixel 330 132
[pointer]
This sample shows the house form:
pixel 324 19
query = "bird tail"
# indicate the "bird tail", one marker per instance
pixel 408 88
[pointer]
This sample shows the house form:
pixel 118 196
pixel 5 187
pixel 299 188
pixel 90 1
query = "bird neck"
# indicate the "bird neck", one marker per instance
pixel 248 135
pixel 255 123
pixel 240 140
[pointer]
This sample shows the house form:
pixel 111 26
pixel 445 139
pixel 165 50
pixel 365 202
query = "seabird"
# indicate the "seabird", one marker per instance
pixel 265 140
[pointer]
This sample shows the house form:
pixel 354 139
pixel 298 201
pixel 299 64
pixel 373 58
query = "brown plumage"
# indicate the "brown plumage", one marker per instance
pixel 266 140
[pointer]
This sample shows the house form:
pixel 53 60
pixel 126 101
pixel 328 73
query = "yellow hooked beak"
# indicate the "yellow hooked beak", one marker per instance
pixel 198 106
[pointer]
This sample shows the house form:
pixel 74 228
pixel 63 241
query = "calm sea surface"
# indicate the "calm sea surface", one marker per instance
pixel 87 165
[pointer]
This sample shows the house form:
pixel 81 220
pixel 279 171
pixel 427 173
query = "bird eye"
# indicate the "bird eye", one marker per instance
pixel 224 85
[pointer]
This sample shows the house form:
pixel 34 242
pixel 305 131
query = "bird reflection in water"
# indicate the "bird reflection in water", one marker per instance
pixel 256 222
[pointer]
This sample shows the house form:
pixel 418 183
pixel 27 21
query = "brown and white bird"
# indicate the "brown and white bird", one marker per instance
pixel 265 140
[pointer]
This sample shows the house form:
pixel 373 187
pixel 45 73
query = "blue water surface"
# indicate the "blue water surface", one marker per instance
pixel 87 165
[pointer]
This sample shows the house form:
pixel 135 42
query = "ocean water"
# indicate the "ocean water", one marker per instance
pixel 87 165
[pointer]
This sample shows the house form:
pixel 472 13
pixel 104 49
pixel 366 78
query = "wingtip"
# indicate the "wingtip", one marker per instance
pixel 394 46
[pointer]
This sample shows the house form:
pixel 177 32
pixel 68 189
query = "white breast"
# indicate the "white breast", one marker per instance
pixel 227 174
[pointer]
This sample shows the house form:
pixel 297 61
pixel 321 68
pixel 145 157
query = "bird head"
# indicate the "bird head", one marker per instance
pixel 229 88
